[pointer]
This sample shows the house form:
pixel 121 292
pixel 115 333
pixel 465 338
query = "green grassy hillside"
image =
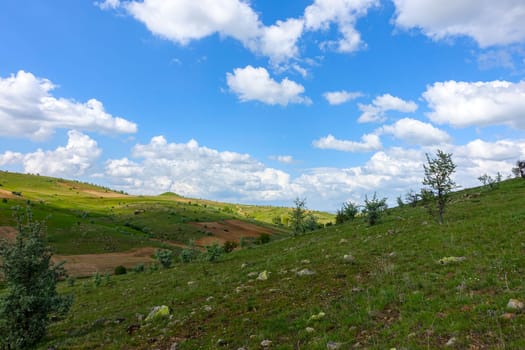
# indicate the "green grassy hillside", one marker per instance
pixel 83 218
pixel 393 290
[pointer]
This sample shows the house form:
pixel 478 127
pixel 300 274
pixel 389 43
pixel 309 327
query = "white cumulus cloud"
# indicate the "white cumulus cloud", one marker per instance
pixel 255 84
pixel 369 142
pixel 197 171
pixel 416 132
pixel 463 104
pixel 339 97
pixel 488 22
pixel 71 160
pixel 28 109
pixel 376 111
pixel 344 13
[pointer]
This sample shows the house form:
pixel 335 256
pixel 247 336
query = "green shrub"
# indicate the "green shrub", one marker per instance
pixel 229 246
pixel 120 270
pixel 30 294
pixel 138 268
pixel 213 252
pixel 97 280
pixel 374 208
pixel 188 255
pixel 164 257
pixel 264 238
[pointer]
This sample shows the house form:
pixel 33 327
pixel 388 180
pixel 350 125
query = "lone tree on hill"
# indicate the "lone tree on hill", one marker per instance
pixel 30 296
pixel 297 218
pixel 438 173
pixel 519 170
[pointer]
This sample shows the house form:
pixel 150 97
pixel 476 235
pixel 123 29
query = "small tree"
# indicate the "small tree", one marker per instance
pixel 438 172
pixel 347 212
pixel 519 170
pixel 164 257
pixel 297 216
pixel 374 208
pixel 31 280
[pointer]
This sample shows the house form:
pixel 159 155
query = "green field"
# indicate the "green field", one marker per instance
pixel 83 218
pixel 393 293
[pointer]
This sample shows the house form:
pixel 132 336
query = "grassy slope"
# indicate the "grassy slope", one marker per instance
pixel 395 293
pixel 82 218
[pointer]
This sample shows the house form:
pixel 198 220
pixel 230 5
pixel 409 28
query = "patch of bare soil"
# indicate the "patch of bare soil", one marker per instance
pixel 6 194
pixel 8 233
pixel 228 230
pixel 104 194
pixel 88 264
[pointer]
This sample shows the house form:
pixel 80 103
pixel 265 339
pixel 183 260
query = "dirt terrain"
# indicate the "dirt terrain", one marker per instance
pixel 228 230
pixel 88 264
pixel 6 194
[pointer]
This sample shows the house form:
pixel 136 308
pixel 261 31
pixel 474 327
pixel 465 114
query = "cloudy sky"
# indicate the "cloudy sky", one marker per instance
pixel 261 101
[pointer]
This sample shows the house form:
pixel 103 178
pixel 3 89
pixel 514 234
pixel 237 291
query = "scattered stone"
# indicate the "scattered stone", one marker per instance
pixel 309 330
pixel 305 272
pixel 158 311
pixel 317 317
pixel 174 346
pixel 132 328
pixel 356 290
pixel 451 259
pixel 242 349
pixel 263 276
pixel 253 274
pixel 348 257
pixel 451 342
pixel 515 304
pixel 343 241
pixel 244 265
pixel 266 343
pixel 508 316
pixel 305 261
pixel 207 308
pixel 190 283
pixel 139 317
pixel 332 345
pixel 222 342
pixel 210 298
pixel 392 255
pixel 411 335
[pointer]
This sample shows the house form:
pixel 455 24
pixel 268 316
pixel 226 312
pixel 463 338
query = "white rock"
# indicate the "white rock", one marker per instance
pixel 305 272
pixel 263 276
pixel 266 343
pixel 309 330
pixel 332 345
pixel 451 342
pixel 515 304
pixel 348 257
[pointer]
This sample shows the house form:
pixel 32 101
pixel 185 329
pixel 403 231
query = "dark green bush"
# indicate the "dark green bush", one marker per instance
pixel 164 257
pixel 120 270
pixel 229 246
pixel 263 238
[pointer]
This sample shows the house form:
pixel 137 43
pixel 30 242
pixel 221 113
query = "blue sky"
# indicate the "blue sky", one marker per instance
pixel 261 101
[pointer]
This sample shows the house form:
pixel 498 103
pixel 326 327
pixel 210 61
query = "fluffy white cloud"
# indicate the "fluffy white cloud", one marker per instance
pixel 344 13
pixel 376 111
pixel 464 104
pixel 185 20
pixel 486 21
pixel 193 170
pixel 279 41
pixel 74 159
pixel 27 109
pixel 416 132
pixel 339 97
pixel 255 84
pixel 369 142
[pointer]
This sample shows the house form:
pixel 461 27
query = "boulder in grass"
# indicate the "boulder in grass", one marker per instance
pixel 157 312
pixel 305 272
pixel 451 260
pixel 263 276
pixel 515 304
